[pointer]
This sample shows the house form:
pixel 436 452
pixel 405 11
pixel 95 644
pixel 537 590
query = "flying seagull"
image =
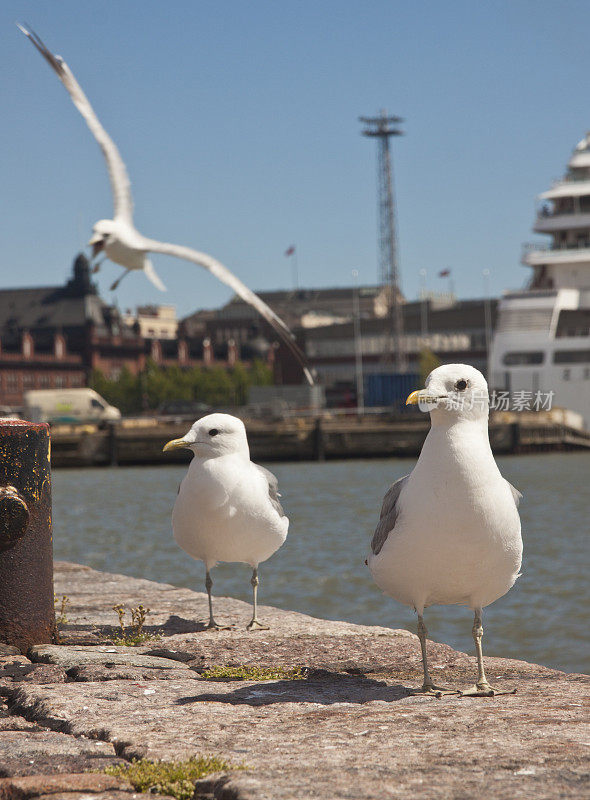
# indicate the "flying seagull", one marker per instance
pixel 449 531
pixel 227 508
pixel 120 240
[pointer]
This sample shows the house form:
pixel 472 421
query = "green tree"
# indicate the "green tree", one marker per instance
pixel 427 361
pixel 240 382
pixel 216 386
pixel 121 392
pixel 260 373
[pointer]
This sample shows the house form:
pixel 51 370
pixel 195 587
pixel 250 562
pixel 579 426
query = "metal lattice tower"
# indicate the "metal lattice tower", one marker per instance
pixel 382 128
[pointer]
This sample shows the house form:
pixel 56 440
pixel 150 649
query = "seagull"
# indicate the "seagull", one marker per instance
pixel 119 239
pixel 227 508
pixel 449 532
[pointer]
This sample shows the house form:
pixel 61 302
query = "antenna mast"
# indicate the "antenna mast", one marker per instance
pixel 382 128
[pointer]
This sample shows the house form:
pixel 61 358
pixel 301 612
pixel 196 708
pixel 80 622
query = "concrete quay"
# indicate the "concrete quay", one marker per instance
pixel 348 729
pixel 303 439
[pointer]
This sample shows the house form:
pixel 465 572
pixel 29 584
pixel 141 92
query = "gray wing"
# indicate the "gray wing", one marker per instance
pixel 515 494
pixel 389 515
pixel 273 489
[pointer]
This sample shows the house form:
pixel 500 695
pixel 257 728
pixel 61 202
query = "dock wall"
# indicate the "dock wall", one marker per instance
pixel 294 440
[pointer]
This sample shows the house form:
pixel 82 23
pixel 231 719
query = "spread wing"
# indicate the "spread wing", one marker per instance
pixel 223 274
pixel 120 185
pixel 273 489
pixel 515 494
pixel 389 515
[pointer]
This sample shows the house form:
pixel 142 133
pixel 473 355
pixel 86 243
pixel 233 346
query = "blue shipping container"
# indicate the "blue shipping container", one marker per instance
pixel 390 388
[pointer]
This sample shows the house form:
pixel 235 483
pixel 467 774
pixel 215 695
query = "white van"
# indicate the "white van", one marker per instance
pixel 68 405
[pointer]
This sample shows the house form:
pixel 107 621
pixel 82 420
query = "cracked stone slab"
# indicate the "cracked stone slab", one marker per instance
pixel 23 670
pixel 350 730
pixel 77 655
pixel 294 639
pixel 111 795
pixel 22 788
pixel 41 752
pixel 100 672
pixel 11 666
pixel 8 650
pixel 176 613
pixel 14 723
pixel 228 787
pixel 340 736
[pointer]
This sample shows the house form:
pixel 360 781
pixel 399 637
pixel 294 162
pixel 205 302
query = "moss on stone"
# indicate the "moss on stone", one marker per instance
pixel 134 639
pixel 254 673
pixel 174 778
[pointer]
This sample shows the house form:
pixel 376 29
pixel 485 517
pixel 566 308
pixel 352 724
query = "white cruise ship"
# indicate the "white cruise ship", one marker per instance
pixel 542 339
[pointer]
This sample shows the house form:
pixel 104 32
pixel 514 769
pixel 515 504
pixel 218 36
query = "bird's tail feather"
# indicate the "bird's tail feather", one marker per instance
pixel 151 275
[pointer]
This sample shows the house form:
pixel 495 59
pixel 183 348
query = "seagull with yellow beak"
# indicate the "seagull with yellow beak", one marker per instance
pixel 449 532
pixel 227 508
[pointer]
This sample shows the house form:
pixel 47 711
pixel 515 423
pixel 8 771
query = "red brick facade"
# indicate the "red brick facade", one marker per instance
pixel 54 337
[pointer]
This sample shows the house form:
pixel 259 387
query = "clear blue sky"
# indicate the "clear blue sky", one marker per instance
pixel 238 124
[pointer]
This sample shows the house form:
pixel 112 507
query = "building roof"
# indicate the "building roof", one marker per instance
pixel 464 315
pixel 46 308
pixel 294 304
pixel 71 305
pixel 310 298
pixel 313 295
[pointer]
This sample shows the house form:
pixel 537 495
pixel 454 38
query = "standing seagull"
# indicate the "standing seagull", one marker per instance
pixel 119 239
pixel 449 531
pixel 227 508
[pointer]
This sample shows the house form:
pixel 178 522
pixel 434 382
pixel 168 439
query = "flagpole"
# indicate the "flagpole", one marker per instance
pixel 295 269
pixel 423 306
pixel 291 252
pixel 488 320
pixel 358 346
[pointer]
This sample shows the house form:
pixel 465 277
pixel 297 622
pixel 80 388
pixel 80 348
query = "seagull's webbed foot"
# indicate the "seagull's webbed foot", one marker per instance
pixel 435 691
pixel 215 626
pixel 255 624
pixel 483 689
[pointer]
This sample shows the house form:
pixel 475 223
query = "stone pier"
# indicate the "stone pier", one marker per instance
pixel 345 727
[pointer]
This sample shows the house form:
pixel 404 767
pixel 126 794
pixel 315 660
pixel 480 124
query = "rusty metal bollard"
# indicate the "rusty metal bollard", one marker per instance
pixel 27 613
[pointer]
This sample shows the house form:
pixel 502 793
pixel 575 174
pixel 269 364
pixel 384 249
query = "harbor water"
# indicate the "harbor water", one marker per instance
pixel 118 520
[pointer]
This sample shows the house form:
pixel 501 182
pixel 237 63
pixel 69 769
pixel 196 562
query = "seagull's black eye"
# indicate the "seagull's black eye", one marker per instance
pixel 461 385
pixel 213 432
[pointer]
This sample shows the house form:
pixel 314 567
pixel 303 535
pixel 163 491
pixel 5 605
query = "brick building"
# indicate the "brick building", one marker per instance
pixel 322 322
pixel 455 333
pixel 302 310
pixel 298 308
pixel 155 322
pixel 53 337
